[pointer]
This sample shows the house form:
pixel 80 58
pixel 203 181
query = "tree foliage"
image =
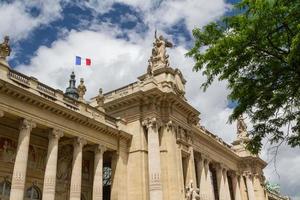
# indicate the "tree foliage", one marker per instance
pixel 257 50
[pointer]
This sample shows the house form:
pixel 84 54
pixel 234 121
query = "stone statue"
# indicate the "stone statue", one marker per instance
pixel 81 89
pixel 272 187
pixel 159 57
pixel 192 193
pixel 5 48
pixel 241 127
pixel 100 99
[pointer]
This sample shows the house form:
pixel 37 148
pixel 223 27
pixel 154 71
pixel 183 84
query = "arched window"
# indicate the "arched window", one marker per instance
pixel 5 189
pixel 33 193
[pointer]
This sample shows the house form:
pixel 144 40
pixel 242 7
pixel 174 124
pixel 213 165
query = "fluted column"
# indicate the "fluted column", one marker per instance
pixel 75 186
pixel 155 186
pixel 236 186
pixel 20 166
pixel 98 173
pixel 51 165
pixel 250 188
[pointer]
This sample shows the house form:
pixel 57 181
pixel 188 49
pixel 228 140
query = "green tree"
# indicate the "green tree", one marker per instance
pixel 257 50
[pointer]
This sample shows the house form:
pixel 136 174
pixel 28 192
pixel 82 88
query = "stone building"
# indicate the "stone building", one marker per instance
pixel 139 142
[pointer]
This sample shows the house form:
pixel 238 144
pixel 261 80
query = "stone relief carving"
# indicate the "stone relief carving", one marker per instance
pixel 64 162
pixel 182 135
pixel 7 150
pixel 36 156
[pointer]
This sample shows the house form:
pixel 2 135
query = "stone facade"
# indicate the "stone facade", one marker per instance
pixel 140 142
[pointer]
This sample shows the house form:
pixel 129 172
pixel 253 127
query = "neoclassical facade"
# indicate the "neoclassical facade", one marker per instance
pixel 139 142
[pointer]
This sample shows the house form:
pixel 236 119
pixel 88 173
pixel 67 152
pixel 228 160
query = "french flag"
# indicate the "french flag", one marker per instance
pixel 78 61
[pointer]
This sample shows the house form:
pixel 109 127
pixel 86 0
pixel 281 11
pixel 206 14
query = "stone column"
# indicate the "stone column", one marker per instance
pixel 20 166
pixel 206 188
pixel 258 186
pixel 155 186
pixel 236 186
pixel 250 188
pixel 75 186
pixel 199 166
pixel 226 192
pixel 98 173
pixel 1 113
pixel 51 165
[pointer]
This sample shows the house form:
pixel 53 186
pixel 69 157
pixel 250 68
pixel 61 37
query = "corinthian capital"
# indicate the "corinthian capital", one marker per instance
pixel 151 123
pixel 27 124
pixel 100 148
pixel 56 134
pixel 79 142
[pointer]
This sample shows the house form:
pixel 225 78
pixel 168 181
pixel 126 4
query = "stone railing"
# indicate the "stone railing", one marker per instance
pixel 123 91
pixel 32 85
pixel 46 90
pixel 19 77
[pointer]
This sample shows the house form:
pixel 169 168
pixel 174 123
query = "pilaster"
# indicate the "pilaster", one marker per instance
pixel 155 186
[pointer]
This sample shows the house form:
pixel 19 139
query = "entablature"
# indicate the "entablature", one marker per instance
pixel 29 90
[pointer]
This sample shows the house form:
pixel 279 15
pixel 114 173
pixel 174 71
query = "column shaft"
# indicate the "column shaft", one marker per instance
pixel 236 187
pixel 206 187
pixel 51 165
pixel 250 188
pixel 75 186
pixel 98 173
pixel 20 167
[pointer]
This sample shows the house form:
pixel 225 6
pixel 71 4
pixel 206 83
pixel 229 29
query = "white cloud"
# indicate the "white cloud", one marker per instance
pixel 17 22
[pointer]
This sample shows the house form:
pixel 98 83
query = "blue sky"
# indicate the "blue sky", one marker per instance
pixel 117 35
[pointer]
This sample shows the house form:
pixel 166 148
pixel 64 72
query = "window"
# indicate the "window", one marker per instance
pixel 33 193
pixel 106 176
pixel 5 189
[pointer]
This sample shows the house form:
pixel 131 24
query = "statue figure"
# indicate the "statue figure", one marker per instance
pixel 241 127
pixel 100 99
pixel 192 193
pixel 159 57
pixel 5 48
pixel 81 89
pixel 272 187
